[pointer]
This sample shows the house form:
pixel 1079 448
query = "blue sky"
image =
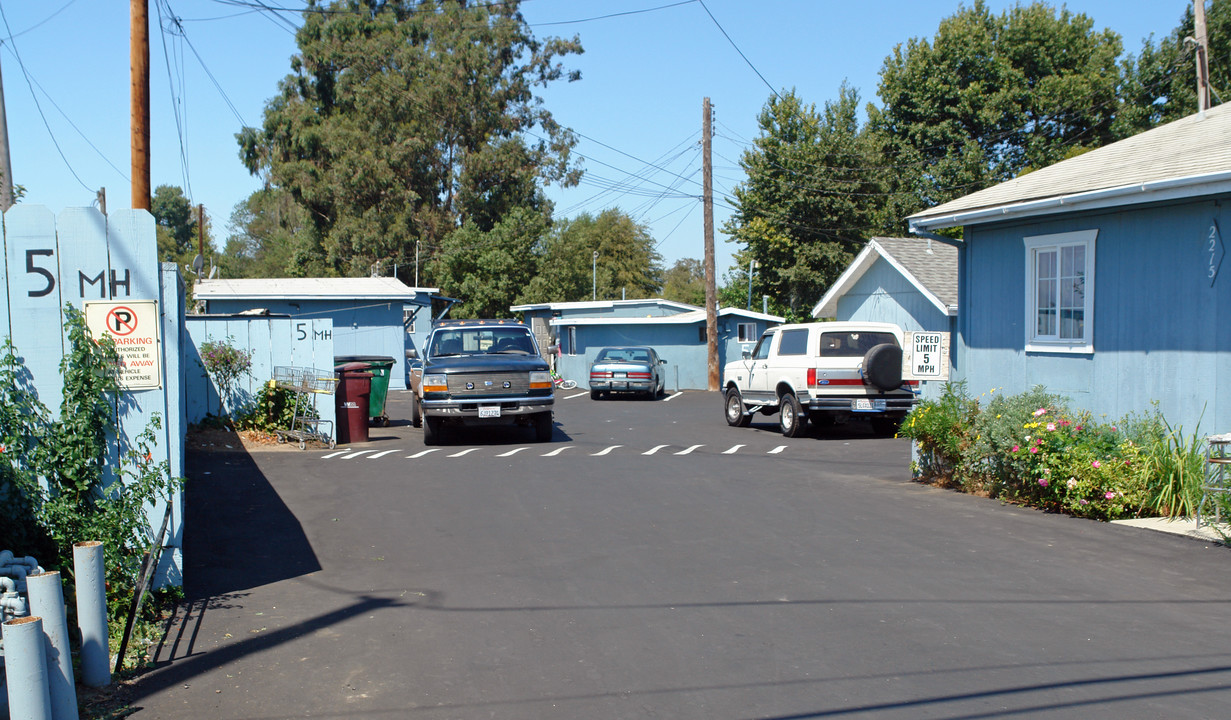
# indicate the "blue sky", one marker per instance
pixel 638 105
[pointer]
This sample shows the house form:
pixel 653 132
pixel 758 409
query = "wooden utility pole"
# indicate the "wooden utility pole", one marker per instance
pixel 139 61
pixel 707 205
pixel 6 163
pixel 1203 54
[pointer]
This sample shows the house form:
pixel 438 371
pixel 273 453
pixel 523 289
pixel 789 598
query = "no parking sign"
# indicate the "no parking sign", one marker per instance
pixel 133 325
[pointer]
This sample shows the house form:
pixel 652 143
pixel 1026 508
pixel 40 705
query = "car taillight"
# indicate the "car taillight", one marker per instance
pixel 600 375
pixel 639 375
pixel 812 377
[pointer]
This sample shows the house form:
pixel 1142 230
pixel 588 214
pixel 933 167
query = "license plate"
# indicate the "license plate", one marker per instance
pixel 619 375
pixel 867 405
pixel 489 411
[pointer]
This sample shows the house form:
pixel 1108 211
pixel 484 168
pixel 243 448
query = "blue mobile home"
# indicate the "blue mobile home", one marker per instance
pixel 675 330
pixel 910 282
pixel 1102 277
pixel 371 316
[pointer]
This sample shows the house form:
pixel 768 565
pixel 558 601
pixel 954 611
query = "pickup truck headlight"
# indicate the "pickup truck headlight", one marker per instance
pixel 540 380
pixel 435 383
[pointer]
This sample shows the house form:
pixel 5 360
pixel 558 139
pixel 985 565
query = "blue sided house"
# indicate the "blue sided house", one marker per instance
pixel 676 330
pixel 910 282
pixel 1103 277
pixel 371 316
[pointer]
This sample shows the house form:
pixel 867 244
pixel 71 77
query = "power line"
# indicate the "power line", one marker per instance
pixel 741 52
pixel 9 33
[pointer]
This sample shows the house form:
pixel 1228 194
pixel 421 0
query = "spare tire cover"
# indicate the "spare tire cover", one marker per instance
pixel 882 366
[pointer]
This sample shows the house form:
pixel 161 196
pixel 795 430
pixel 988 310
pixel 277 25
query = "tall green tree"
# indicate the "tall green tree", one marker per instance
pixel 990 96
pixel 270 236
pixel 175 223
pixel 487 269
pixel 685 282
pixel 809 200
pixel 627 264
pixel 404 120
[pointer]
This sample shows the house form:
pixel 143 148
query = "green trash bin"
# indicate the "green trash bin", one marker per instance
pixel 381 367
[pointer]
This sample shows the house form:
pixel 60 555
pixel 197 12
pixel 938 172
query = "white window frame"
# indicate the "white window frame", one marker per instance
pixel 1055 243
pixel 572 339
pixel 746 332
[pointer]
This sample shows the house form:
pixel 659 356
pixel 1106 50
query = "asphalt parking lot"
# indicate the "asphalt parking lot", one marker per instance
pixel 652 562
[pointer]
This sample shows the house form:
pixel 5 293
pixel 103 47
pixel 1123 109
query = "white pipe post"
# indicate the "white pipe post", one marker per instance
pixel 92 613
pixel 47 601
pixel 25 669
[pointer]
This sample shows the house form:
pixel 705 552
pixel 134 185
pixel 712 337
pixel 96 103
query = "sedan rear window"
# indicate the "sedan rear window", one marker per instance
pixel 853 344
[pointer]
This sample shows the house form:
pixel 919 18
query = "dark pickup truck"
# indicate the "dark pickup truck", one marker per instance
pixel 481 372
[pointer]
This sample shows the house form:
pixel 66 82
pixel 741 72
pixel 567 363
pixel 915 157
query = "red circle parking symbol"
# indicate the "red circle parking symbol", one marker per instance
pixel 121 321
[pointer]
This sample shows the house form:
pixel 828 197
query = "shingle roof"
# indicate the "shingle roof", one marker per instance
pixel 929 266
pixel 1190 156
pixel 368 288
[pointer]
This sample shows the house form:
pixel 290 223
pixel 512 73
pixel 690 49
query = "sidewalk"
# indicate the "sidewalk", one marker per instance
pixel 1183 526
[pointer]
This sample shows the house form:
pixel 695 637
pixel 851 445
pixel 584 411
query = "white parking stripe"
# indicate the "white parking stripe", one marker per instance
pixel 733 450
pixel 654 449
pixel 580 394
pixel 604 452
pixel 557 451
pixel 514 451
pixel 685 452
pixel 776 450
pixel 335 454
pixel 421 454
pixel 672 395
pixel 382 454
pixel 467 451
pixel 355 454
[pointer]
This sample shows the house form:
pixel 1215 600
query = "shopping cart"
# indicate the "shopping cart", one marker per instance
pixel 306 383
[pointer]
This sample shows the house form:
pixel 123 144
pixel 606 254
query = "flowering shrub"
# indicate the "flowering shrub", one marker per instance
pixel 226 364
pixel 1031 448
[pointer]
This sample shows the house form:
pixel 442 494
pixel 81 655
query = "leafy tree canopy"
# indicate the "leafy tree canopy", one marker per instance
pixel 991 95
pixel 486 269
pixel 627 264
pixel 175 223
pixel 404 120
pixel 685 282
pixel 808 200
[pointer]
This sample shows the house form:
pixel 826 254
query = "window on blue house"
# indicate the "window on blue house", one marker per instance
pixel 747 332
pixel 1060 292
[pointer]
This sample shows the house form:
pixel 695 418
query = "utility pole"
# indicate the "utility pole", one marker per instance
pixel 139 63
pixel 1202 57
pixel 707 205
pixel 6 162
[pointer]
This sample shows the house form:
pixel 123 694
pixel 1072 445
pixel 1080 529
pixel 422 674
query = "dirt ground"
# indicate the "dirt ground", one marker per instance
pixel 223 440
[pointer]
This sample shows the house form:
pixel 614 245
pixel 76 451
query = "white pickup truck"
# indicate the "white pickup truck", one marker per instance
pixel 824 372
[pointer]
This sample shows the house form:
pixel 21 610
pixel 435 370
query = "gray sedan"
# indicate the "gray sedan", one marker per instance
pixel 627 369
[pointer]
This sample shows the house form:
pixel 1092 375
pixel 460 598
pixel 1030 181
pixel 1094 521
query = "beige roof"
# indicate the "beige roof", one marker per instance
pixel 1189 157
pixel 929 266
pixel 369 288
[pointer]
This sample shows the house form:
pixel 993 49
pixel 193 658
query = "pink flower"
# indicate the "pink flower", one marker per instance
pixel 1051 427
pixel 1034 450
pixel 1040 411
pixel 1016 448
pixel 1084 501
pixel 1043 482
pixel 1096 464
pixel 1109 495
pixel 1078 428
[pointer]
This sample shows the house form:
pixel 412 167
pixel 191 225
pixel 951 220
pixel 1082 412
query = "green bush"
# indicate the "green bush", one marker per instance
pixel 274 409
pixel 1032 449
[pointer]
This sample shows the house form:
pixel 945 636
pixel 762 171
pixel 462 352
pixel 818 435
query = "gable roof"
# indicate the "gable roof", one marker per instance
pixel 1189 157
pixel 930 267
pixel 368 288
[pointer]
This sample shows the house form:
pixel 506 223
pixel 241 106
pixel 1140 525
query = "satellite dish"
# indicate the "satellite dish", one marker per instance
pixel 213 272
pixel 198 264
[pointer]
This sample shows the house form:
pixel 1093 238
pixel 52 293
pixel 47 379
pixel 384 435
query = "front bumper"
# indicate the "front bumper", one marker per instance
pixel 480 408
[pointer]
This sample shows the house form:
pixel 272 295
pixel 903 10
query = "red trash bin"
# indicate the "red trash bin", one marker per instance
pixel 354 389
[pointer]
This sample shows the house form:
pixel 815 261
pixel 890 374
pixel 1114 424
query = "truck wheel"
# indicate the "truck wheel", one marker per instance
pixel 416 417
pixel 542 427
pixel 791 417
pixel 882 366
pixel 431 431
pixel 736 417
